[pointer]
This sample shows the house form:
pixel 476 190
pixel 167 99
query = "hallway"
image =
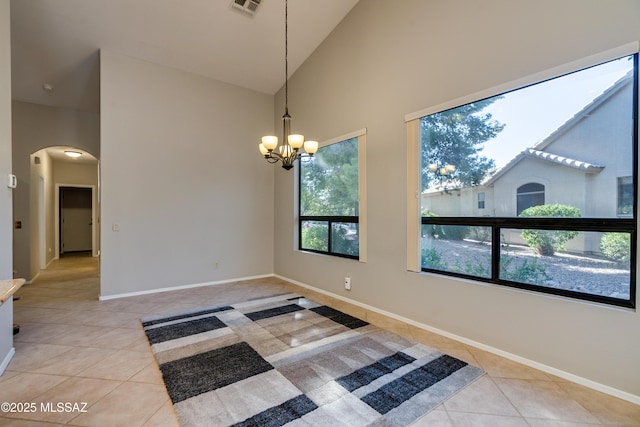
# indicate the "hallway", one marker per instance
pixel 73 276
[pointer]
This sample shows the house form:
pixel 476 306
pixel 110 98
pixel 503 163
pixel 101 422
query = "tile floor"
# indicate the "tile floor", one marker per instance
pixel 74 348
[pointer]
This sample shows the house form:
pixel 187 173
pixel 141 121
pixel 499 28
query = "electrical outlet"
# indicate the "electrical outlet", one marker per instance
pixel 347 283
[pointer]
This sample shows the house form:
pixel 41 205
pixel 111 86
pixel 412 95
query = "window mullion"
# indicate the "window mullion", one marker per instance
pixel 495 253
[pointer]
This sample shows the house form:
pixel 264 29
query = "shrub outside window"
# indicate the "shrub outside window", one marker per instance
pixel 558 205
pixel 330 199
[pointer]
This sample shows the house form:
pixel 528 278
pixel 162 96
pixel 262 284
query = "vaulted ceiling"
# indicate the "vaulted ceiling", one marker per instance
pixel 56 42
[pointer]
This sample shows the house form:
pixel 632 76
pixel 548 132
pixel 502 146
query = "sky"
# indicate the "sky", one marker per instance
pixel 531 114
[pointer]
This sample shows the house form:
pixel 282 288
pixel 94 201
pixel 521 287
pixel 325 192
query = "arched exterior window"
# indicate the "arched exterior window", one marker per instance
pixel 531 194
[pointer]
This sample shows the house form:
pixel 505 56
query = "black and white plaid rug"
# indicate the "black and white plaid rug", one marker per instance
pixel 286 359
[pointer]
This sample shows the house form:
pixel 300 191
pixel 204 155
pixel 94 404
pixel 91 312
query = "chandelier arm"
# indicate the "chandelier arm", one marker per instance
pixel 275 155
pixel 272 159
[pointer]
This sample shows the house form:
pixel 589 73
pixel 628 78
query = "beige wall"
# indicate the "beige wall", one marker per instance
pixel 5 143
pixel 76 173
pixel 6 313
pixel 42 171
pixel 182 177
pixel 387 59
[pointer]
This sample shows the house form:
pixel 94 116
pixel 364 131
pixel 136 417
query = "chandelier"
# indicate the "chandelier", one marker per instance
pixel 442 170
pixel 289 151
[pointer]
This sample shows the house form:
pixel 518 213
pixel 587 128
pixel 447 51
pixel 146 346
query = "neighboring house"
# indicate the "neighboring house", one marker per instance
pixel 581 164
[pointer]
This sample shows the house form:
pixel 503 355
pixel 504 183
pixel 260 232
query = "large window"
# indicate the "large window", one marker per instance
pixel 330 198
pixel 550 162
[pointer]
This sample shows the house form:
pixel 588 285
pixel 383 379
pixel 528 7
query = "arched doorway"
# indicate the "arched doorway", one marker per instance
pixel 64 208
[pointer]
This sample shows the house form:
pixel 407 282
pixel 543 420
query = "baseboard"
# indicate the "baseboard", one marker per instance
pixel 29 282
pixel 177 288
pixel 514 357
pixel 6 360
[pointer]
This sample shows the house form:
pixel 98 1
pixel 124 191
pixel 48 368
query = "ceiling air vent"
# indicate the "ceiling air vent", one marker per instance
pixel 247 6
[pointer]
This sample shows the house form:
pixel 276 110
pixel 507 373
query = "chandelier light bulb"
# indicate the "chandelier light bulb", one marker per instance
pixel 270 142
pixel 286 151
pixel 442 170
pixel 296 141
pixel 311 147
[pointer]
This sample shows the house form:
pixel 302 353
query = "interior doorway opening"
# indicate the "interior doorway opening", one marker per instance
pixel 75 215
pixel 64 207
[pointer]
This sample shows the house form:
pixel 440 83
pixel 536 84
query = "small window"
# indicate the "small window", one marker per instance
pixel 530 195
pixel 625 196
pixel 481 200
pixel 330 199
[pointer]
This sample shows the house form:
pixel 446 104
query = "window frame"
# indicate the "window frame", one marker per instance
pixel 497 224
pixel 624 224
pixel 360 220
pixel 619 191
pixel 482 200
pixel 530 195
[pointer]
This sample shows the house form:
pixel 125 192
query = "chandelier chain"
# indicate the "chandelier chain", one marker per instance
pixel 286 56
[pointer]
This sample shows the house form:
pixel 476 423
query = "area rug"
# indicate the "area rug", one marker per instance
pixel 286 359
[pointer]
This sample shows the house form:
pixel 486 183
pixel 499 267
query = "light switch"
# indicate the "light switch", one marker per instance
pixel 115 227
pixel 12 181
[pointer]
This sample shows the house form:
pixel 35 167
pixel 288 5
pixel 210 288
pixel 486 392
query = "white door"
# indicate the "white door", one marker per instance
pixel 75 219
